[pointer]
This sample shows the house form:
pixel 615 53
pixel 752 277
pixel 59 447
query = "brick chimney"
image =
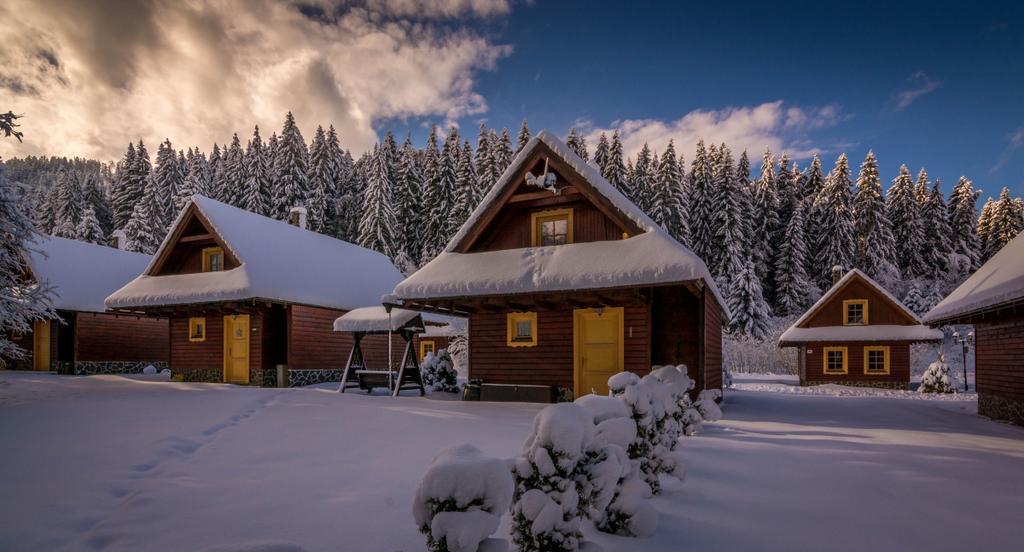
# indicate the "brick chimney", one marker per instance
pixel 297 216
pixel 118 239
pixel 837 274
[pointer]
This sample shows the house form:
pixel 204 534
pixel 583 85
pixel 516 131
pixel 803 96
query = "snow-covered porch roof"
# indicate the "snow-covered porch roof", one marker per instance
pixel 999 282
pixel 378 320
pixel 918 333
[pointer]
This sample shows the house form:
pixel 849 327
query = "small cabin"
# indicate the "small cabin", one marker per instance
pixel 857 334
pixel 992 300
pixel 85 339
pixel 249 297
pixel 565 282
pixel 438 333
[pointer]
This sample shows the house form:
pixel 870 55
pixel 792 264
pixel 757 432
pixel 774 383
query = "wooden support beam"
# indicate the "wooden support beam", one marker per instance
pixel 195 238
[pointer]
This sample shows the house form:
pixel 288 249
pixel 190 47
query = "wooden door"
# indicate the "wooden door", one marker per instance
pixel 597 346
pixel 41 345
pixel 236 348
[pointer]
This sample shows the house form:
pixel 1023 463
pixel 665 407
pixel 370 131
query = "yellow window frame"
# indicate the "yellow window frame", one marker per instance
pixel 200 323
pixel 424 346
pixel 846 311
pixel 882 349
pixel 824 360
pixel 208 254
pixel 514 318
pixel 540 217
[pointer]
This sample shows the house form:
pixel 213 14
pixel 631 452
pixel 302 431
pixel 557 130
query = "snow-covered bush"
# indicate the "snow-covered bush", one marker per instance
pixel 726 377
pixel 938 378
pixel 675 383
pixel 439 372
pixel 760 356
pixel 707 406
pixel 546 515
pixel 461 498
pixel 636 395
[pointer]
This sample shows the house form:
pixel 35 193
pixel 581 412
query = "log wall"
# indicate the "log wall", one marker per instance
pixel 899 364
pixel 118 338
pixel 880 310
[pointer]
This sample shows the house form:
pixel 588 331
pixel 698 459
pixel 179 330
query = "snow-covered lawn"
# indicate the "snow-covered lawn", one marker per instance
pixel 107 462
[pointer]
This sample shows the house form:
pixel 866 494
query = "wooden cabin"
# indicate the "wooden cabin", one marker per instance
pixel 85 339
pixel 857 334
pixel 992 300
pixel 565 282
pixel 249 297
pixel 437 334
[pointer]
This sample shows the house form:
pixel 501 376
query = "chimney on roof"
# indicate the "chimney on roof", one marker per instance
pixel 118 239
pixel 837 274
pixel 297 216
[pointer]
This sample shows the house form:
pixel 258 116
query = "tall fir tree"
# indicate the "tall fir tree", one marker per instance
pixel 937 235
pixel 145 230
pixel 906 225
pixel 290 166
pixel 94 196
pixel 578 144
pixel 963 218
pixel 378 224
pixel 985 226
pixel 665 205
pixel 765 228
pixel 168 182
pixel 876 250
pixel 321 184
pixel 89 227
pixel 466 190
pixel 523 137
pixel 68 204
pixel 1005 223
pixel 484 161
pixel 256 198
pixel 793 288
pixel 614 169
pixel 836 243
pixel 409 207
pixel 196 181
pixel 233 190
pixel 601 151
pixel 124 194
pixel 503 153
pixel 642 184
pixel 750 312
pixel 728 239
pixel 215 173
pixel 44 208
pixel 679 199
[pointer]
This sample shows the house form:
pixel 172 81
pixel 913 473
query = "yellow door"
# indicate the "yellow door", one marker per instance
pixel 41 345
pixel 598 352
pixel 236 348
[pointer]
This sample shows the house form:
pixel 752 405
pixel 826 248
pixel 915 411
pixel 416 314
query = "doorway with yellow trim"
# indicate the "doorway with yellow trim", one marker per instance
pixel 236 348
pixel 598 351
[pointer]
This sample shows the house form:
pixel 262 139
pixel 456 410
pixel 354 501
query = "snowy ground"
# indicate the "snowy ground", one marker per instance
pixel 116 463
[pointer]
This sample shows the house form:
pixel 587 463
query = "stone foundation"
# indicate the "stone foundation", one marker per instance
pixel 299 378
pixel 897 385
pixel 1001 408
pixel 95 367
pixel 199 375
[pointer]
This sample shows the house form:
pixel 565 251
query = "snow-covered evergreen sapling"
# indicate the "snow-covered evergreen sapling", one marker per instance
pixel 439 372
pixel 460 499
pixel 938 377
pixel 707 405
pixel 637 395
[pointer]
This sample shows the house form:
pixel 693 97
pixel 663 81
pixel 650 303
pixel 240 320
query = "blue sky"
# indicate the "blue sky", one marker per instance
pixel 938 87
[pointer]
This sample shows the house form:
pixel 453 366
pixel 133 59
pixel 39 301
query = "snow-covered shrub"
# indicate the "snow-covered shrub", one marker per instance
pixel 726 377
pixel 461 498
pixel 636 395
pixel 707 406
pixel 149 370
pixel 546 514
pixel 439 372
pixel 938 378
pixel 760 356
pixel 675 383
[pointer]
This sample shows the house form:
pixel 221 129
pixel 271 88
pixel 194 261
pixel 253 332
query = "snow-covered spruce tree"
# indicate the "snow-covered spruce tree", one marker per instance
pixel 439 372
pixel 546 513
pixel 321 184
pixel 430 198
pixel 577 144
pixel 765 218
pixel 729 236
pixel 985 226
pixel 938 378
pixel 904 214
pixel 126 191
pixel 601 152
pixel 43 203
pixel 876 250
pixel 94 195
pixel 466 190
pixel 641 186
pixel 792 286
pixel 836 245
pixel 614 169
pixel 915 300
pixel 21 302
pixel 379 223
pixel 168 181
pixel 484 160
pixel 963 218
pixel 215 176
pixel 444 192
pixel 89 228
pixel 460 499
pixel 665 204
pixel 523 137
pixel 68 203
pixel 679 199
pixel 784 188
pixel 937 234
pixel 347 188
pixel 813 185
pixel 503 153
pixel 145 230
pixel 637 396
pixel 701 203
pixel 750 311
pixel 256 198
pixel 1004 225
pixel 409 207
pixel 290 166
pixel 233 183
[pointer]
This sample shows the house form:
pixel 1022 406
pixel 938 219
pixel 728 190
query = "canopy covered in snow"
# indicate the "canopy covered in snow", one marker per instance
pixel 82 274
pixel 374 320
pixel 650 258
pixel 877 332
pixel 278 262
pixel 998 282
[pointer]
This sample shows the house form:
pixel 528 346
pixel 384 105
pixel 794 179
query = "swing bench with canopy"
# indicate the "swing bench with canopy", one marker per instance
pixel 377 321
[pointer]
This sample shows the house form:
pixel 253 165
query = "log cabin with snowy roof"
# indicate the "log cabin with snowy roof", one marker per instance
pixel 250 297
pixel 85 339
pixel 566 282
pixel 856 334
pixel 992 300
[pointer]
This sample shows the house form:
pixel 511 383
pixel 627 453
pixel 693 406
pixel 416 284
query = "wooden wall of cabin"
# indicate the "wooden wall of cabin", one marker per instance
pixel 314 345
pixel 899 364
pixel 511 229
pixel 999 341
pixel 201 360
pixel 551 361
pixel 880 310
pixel 675 328
pixel 119 338
pixel 712 343
pixel 439 341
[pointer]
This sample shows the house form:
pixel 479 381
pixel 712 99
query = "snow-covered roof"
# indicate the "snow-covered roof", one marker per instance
pixel 278 262
pixel 841 284
pixel 373 319
pixel 82 274
pixel 860 333
pixel 650 258
pixel 998 281
pixel 443 326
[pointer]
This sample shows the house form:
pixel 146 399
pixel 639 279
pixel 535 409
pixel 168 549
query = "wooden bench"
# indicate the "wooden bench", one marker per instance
pixel 370 379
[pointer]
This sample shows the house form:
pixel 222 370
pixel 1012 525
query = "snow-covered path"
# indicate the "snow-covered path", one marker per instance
pixel 113 463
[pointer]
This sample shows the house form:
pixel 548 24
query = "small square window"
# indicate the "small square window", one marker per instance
pixel 855 312
pixel 197 329
pixel 213 259
pixel 522 329
pixel 834 359
pixel 876 360
pixel 552 227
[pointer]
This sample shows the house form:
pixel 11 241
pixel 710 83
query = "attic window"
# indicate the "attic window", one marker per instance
pixel 855 312
pixel 213 259
pixel 551 227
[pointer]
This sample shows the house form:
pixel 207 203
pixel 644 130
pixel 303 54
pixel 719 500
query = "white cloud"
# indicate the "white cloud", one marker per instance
pixel 771 125
pixel 89 80
pixel 920 84
pixel 1015 140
